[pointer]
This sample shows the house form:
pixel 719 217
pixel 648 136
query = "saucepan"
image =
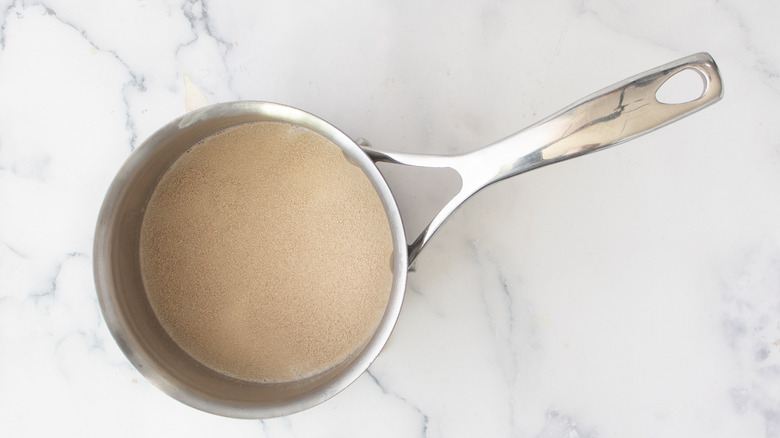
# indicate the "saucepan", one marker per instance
pixel 606 118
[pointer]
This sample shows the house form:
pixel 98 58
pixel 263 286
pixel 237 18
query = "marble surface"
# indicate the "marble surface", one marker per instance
pixel 633 292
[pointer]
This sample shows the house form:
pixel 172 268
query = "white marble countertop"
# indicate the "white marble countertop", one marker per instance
pixel 633 292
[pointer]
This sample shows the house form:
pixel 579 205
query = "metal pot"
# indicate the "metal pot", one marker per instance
pixel 616 114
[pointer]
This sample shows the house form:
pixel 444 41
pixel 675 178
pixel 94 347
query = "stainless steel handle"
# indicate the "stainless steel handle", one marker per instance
pixel 611 116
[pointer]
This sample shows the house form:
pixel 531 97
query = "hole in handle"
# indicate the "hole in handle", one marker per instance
pixel 684 86
pixel 420 192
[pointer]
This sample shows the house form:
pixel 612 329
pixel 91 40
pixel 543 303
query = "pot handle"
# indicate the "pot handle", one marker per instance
pixel 611 116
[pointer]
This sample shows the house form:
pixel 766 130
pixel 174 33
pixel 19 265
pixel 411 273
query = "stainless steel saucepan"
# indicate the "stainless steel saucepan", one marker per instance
pixel 608 117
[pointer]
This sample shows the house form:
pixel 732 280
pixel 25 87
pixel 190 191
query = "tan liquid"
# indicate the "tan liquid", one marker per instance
pixel 266 254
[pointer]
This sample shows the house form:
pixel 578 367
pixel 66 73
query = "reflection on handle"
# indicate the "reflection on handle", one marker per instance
pixel 611 116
